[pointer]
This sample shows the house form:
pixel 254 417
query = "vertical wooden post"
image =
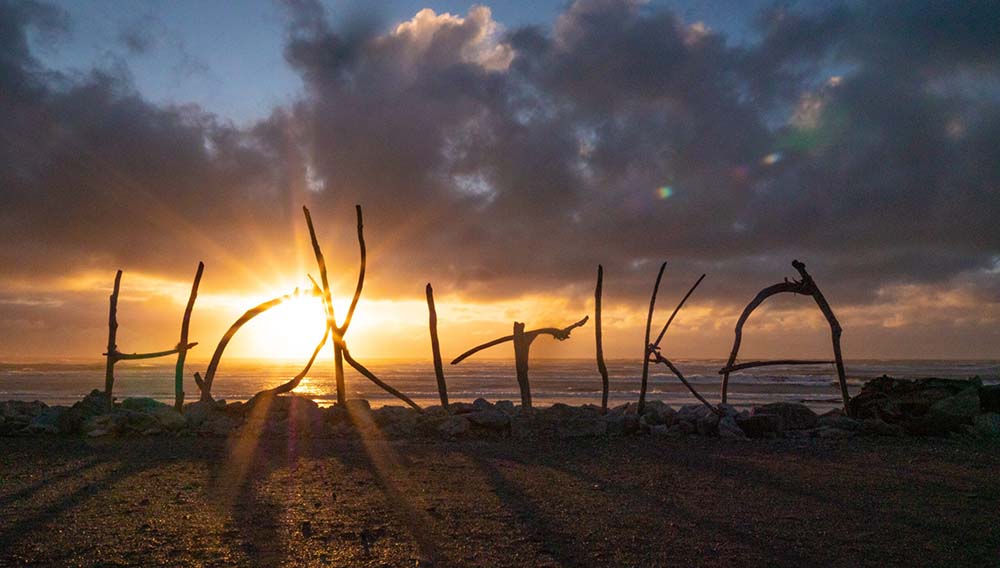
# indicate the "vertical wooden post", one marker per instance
pixel 436 347
pixel 522 344
pixel 645 346
pixel 601 367
pixel 112 354
pixel 338 370
pixel 182 354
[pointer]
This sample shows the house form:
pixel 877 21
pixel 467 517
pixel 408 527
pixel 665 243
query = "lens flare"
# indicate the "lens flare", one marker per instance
pixel 771 159
pixel 664 192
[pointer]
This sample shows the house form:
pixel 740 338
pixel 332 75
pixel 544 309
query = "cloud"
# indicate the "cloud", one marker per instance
pixel 503 162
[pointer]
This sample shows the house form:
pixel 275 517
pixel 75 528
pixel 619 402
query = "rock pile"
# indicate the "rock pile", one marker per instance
pixel 884 407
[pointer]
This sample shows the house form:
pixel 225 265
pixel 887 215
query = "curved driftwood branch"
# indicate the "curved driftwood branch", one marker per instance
pixel 205 384
pixel 331 320
pixel 153 355
pixel 645 344
pixel 361 276
pixel 779 288
pixel 436 347
pixel 294 383
pixel 680 305
pixel 602 368
pixel 371 377
pixel 185 324
pixel 479 348
pixel 659 358
pixel 835 330
pixel 109 372
pixel 753 364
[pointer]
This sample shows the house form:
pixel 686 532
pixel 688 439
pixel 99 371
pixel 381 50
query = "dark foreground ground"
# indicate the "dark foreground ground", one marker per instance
pixel 603 502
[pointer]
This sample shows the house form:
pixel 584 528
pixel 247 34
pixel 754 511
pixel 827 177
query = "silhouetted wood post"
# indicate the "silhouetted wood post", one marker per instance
pixel 109 372
pixel 436 347
pixel 646 345
pixel 521 347
pixel 182 355
pixel 601 366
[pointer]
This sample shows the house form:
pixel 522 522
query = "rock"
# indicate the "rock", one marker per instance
pixel 47 422
pixel 392 414
pixel 729 429
pixel 840 421
pixel 834 433
pixel 989 398
pixel 760 425
pixel 94 404
pixel 336 415
pixel 168 418
pixel 198 412
pixel 621 424
pixel 142 404
pixel 218 426
pixel 794 416
pixel 658 430
pixel 947 414
pixel 583 424
pixel 729 410
pixel 658 412
pixel 704 420
pixel 987 424
pixel 505 406
pixel 482 404
pixel 357 406
pixel 97 433
pixel 491 419
pixel 461 407
pixel 18 409
pixel 453 426
pixel 684 427
pixel 900 400
pixel 880 427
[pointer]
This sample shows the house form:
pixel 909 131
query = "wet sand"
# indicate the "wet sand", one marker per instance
pixel 597 502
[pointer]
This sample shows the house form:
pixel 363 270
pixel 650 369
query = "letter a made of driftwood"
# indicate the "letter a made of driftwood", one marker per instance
pixel 113 355
pixel 340 351
pixel 806 287
pixel 522 345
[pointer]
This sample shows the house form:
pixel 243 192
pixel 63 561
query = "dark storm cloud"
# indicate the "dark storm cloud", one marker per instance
pixel 508 161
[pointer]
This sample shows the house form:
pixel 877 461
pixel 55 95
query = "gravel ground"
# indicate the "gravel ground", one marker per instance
pixel 642 501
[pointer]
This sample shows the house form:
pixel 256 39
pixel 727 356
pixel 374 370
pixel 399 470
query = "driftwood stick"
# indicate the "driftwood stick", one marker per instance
pixel 153 355
pixel 206 384
pixel 361 276
pixel 436 347
pixel 331 321
pixel 659 358
pixel 680 305
pixel 835 329
pixel 781 287
pixel 182 355
pixel 294 383
pixel 752 364
pixel 479 348
pixel 371 376
pixel 645 344
pixel 602 368
pixel 109 372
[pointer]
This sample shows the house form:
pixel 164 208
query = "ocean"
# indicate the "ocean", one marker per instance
pixel 554 380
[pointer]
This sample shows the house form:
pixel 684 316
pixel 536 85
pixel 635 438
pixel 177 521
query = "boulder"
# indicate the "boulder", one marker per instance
pixel 358 406
pixel 834 433
pixel 461 407
pixel 482 404
pixel 840 421
pixel 948 414
pixel 987 424
pixel 72 420
pixel 901 400
pixel 704 420
pixel 505 406
pixel 729 429
pixel 989 398
pixel 492 420
pixel 880 427
pixel 47 422
pixel 168 418
pixel 761 425
pixel 658 412
pixel 794 416
pixel 621 424
pixel 199 412
pixel 142 404
pixel 453 426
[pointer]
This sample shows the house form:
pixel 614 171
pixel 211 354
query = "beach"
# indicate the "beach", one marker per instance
pixel 626 501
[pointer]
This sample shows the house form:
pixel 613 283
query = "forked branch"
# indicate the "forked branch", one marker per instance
pixel 560 334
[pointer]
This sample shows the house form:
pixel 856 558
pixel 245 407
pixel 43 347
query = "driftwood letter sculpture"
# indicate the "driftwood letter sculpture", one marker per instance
pixel 807 287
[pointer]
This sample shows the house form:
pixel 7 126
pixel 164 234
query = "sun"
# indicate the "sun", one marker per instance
pixel 289 331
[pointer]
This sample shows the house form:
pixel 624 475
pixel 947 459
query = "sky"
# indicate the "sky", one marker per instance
pixel 501 151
